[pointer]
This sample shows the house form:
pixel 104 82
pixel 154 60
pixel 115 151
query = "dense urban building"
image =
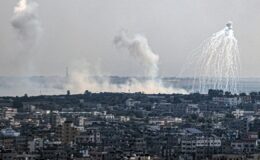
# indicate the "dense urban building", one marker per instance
pixel 131 126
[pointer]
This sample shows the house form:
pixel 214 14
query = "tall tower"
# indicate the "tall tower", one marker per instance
pixel 67 72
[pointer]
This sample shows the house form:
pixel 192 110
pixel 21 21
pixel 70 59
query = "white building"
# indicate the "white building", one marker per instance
pixel 9 132
pixel 35 144
pixel 131 103
pixel 190 145
pixel 124 118
pixel 231 101
pixel 9 112
pixel 240 113
pixel 248 146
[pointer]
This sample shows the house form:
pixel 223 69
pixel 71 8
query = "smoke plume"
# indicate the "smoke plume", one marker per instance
pixel 139 48
pixel 84 78
pixel 25 22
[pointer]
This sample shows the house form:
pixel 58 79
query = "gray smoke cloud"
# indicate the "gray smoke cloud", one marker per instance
pixel 27 26
pixel 81 77
pixel 26 23
pixel 139 48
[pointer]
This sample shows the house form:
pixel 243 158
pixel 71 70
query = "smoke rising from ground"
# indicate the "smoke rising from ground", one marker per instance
pixel 26 23
pixel 139 48
pixel 82 79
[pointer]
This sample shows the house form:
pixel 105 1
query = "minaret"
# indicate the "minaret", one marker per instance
pixel 67 72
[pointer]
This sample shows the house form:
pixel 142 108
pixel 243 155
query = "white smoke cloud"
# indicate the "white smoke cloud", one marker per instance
pixel 26 23
pixel 139 48
pixel 83 78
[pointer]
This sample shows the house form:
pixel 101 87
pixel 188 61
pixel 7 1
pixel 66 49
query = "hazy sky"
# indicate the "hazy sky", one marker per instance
pixel 76 30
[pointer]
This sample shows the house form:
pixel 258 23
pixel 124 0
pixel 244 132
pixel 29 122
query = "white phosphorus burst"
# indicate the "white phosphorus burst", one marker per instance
pixel 217 63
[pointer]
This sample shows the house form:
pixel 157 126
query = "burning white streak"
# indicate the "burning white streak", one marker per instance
pixel 216 64
pixel 139 48
pixel 25 22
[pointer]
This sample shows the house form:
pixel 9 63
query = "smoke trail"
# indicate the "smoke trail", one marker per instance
pixel 139 48
pixel 25 22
